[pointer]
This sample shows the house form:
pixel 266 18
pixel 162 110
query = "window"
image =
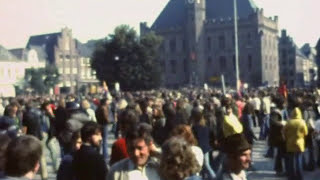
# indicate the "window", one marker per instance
pixel 222 43
pixel 284 54
pixel 209 60
pixel 74 70
pixel 249 62
pixel 68 83
pixel 184 45
pixel 222 62
pixel 249 40
pixel 163 66
pixel 208 43
pixel 173 64
pixel 185 65
pixel 60 70
pixel 172 45
pixel 233 40
pixel 67 70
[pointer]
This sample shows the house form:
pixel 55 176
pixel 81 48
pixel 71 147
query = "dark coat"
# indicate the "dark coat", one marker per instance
pixel 247 122
pixel 202 134
pixel 276 135
pixel 89 164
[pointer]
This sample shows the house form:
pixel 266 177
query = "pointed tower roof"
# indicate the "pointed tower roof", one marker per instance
pixel 175 12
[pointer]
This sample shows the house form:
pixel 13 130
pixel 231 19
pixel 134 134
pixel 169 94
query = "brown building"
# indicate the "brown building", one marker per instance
pixel 71 57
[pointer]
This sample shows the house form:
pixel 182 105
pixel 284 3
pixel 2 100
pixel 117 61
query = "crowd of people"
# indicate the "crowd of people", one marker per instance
pixel 185 134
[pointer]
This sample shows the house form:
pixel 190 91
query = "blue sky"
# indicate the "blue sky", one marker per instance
pixel 94 19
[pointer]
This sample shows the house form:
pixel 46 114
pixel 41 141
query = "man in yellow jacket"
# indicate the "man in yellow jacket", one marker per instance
pixel 295 132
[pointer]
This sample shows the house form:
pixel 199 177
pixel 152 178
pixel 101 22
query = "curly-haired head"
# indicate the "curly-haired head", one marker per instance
pixel 177 160
pixel 186 133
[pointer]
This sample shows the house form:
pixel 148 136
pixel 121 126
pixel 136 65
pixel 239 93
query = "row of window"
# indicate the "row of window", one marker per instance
pixel 247 39
pixel 222 64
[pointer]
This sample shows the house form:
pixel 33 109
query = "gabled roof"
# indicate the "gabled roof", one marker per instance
pixel 175 12
pixel 48 41
pixel 42 55
pixel 5 55
pixel 19 52
pixel 85 50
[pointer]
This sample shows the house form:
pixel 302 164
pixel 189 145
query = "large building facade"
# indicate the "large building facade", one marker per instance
pixel 198 43
pixel 71 57
pixel 297 66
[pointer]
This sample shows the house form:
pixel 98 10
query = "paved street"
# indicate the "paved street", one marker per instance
pixel 264 166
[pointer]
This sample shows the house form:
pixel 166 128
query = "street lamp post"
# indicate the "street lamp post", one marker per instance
pixel 236 42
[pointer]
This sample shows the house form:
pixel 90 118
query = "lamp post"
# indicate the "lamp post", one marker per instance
pixel 236 43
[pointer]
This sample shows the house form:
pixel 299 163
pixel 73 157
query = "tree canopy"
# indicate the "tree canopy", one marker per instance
pixel 125 58
pixel 41 80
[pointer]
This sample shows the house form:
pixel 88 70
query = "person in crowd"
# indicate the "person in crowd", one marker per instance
pixel 158 124
pixel 127 120
pixel 65 171
pixel 103 119
pixel 200 130
pixel 186 133
pixel 211 122
pixel 22 158
pixel 145 117
pixel 49 132
pixel 87 162
pixel 181 113
pixel 85 106
pixel 231 124
pixel 238 157
pixel 309 116
pixel 140 164
pixel 61 115
pixel 265 115
pixel 256 102
pixel 4 142
pixel 247 122
pixel 276 135
pixel 170 115
pixel 178 161
pixel 295 132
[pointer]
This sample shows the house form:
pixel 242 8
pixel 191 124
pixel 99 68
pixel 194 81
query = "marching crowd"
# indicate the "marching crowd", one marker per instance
pixel 185 134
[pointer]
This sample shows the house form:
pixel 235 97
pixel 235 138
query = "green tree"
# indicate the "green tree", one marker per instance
pixel 41 80
pixel 125 58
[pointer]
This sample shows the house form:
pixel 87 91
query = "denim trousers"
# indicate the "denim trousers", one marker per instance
pixel 295 168
pixel 105 142
pixel 264 126
pixel 280 160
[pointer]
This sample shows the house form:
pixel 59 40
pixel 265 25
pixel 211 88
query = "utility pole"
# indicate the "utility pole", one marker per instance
pixel 236 43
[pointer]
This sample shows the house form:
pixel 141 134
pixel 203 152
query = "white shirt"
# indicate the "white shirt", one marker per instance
pixel 241 176
pixel 198 154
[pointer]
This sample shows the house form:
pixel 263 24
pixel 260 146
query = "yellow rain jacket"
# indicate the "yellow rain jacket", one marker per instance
pixel 295 131
pixel 231 125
